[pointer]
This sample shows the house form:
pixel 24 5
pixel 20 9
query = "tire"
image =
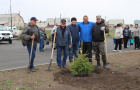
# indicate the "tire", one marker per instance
pixel 10 42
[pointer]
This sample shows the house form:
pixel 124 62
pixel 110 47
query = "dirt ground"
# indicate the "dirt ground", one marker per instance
pixel 123 75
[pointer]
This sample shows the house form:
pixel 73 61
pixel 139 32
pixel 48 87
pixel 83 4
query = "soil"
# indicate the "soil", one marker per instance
pixel 123 75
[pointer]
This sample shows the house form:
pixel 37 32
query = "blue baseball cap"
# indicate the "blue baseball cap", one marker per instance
pixel 33 18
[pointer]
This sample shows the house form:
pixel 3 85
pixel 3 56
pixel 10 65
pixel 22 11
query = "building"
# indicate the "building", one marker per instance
pixel 17 20
pixel 137 22
pixel 42 24
pixel 113 22
pixel 55 21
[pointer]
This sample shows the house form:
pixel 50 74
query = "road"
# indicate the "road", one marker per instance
pixel 16 56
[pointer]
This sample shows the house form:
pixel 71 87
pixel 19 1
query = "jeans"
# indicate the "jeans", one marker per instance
pixel 125 41
pixel 59 51
pixel 118 42
pixel 73 51
pixel 87 49
pixel 128 42
pixel 33 55
pixel 136 42
pixel 41 44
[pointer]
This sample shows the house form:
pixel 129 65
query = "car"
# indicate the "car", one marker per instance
pixel 16 33
pixel 9 28
pixel 5 35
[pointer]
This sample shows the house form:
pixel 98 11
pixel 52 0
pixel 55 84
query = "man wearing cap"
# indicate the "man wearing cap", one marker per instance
pixel 98 41
pixel 86 36
pixel 74 29
pixel 63 42
pixel 27 34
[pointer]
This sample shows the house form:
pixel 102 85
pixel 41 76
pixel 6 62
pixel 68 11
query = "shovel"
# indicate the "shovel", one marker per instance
pixel 52 51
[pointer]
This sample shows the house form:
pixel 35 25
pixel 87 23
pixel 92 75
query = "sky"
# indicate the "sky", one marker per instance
pixel 43 9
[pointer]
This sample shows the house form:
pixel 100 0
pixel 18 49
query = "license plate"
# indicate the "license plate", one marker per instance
pixel 7 37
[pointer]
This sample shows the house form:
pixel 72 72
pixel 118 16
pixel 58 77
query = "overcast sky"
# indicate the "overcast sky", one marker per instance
pixel 129 10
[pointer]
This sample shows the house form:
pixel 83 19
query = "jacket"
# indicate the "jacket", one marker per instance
pixel 136 32
pixel 74 29
pixel 118 33
pixel 127 34
pixel 60 41
pixel 42 34
pixel 86 31
pixel 28 31
pixel 97 33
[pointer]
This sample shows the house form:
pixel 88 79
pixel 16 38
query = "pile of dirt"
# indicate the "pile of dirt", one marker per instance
pixel 100 79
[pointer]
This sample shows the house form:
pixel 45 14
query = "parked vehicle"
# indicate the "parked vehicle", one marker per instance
pixel 5 35
pixel 16 33
pixel 9 27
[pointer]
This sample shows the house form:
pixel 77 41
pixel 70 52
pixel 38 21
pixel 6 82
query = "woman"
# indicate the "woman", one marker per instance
pixel 136 34
pixel 118 38
pixel 126 35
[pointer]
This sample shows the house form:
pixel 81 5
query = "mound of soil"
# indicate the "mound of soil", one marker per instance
pixel 99 79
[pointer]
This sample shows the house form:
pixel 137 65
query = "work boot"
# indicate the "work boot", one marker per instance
pixel 98 63
pixel 33 70
pixel 106 65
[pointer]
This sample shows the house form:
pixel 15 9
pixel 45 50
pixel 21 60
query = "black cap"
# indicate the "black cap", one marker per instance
pixel 33 18
pixel 73 18
pixel 118 25
pixel 63 21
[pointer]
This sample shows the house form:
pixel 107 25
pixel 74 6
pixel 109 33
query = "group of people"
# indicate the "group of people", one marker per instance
pixel 67 39
pixel 127 36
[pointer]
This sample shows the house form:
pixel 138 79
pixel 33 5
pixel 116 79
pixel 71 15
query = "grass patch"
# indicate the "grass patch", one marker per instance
pixel 111 33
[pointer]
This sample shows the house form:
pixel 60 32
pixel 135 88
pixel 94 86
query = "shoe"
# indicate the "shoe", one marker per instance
pixel 114 50
pixel 33 70
pixel 120 50
pixel 59 67
pixel 64 66
pixel 106 65
pixel 98 63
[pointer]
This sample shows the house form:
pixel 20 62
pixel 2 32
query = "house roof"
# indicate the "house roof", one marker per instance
pixel 116 21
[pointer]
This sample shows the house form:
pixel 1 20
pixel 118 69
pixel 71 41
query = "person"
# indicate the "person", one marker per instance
pixel 74 29
pixel 42 37
pixel 132 30
pixel 86 36
pixel 63 42
pixel 126 35
pixel 98 41
pixel 29 33
pixel 136 35
pixel 52 35
pixel 118 38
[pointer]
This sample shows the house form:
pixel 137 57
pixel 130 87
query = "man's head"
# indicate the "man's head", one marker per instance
pixel 85 19
pixel 73 20
pixel 98 19
pixel 63 23
pixel 118 25
pixel 136 25
pixel 33 21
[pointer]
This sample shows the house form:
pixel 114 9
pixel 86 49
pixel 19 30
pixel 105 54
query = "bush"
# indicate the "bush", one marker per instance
pixel 81 66
pixel 20 36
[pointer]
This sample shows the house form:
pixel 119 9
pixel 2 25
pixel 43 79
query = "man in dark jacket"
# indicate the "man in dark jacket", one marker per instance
pixel 63 42
pixel 98 41
pixel 27 34
pixel 74 29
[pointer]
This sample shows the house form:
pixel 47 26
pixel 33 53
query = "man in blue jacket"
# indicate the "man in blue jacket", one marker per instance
pixel 63 42
pixel 74 29
pixel 86 36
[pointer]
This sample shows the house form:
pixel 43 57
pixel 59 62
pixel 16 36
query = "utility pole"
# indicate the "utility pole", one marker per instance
pixel 11 14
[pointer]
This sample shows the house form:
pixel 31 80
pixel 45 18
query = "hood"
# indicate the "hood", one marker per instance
pixel 5 32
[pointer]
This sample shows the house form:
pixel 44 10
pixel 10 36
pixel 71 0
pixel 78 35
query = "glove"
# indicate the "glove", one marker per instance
pixel 102 28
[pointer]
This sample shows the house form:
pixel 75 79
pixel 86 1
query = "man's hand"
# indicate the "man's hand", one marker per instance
pixel 102 28
pixel 32 37
pixel 55 32
pixel 69 46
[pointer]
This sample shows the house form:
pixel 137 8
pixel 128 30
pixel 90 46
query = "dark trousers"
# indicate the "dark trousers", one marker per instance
pixel 41 43
pixel 118 42
pixel 33 55
pixel 136 42
pixel 87 49
pixel 125 41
